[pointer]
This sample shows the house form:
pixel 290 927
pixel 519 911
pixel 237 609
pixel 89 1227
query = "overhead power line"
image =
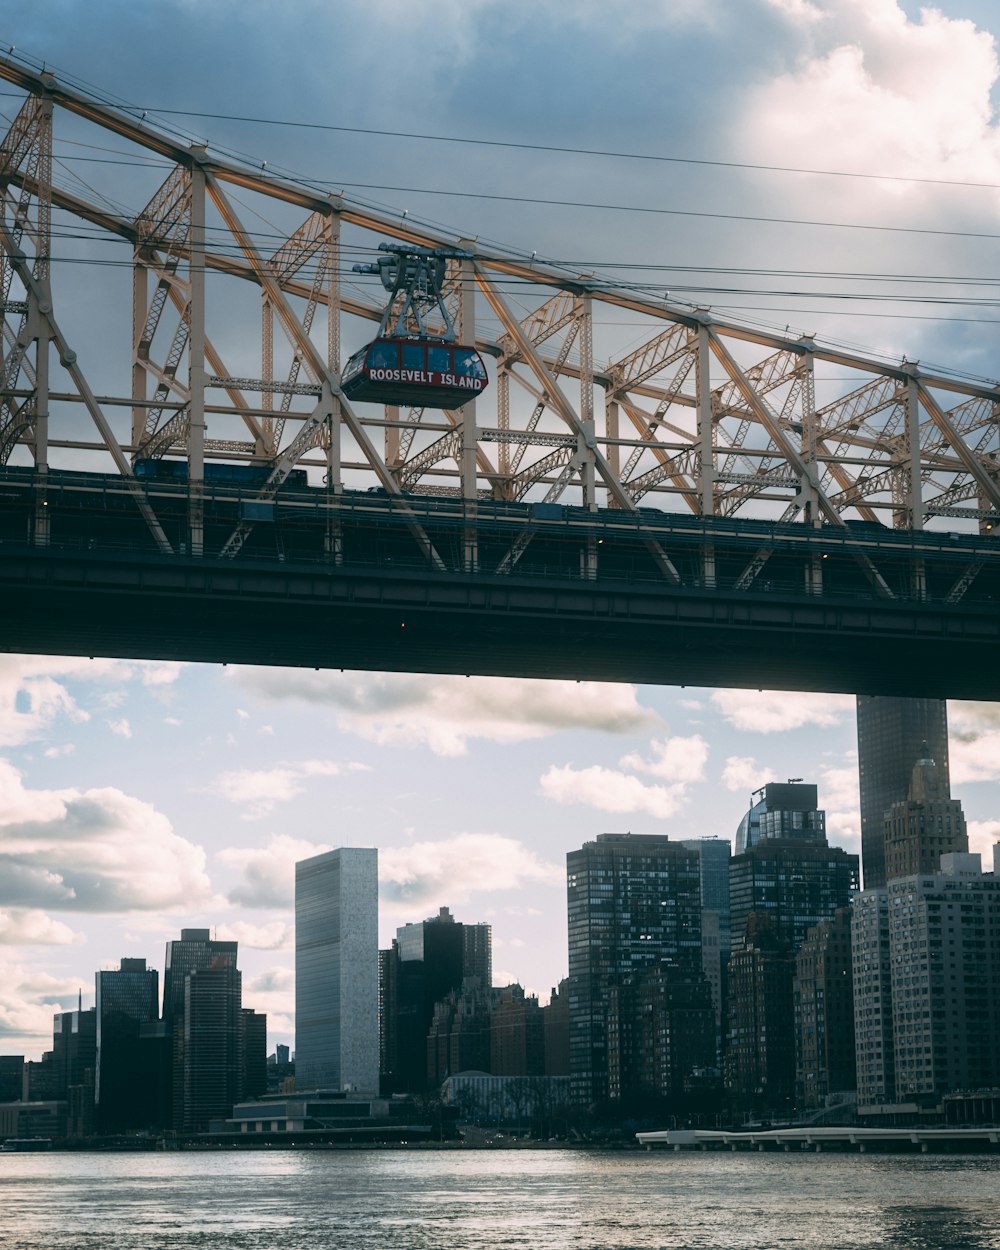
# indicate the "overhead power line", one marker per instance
pixel 572 151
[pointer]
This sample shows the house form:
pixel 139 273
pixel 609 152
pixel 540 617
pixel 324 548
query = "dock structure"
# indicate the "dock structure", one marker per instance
pixel 922 1140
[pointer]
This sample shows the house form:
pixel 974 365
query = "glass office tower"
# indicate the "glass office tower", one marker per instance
pixel 891 734
pixel 336 971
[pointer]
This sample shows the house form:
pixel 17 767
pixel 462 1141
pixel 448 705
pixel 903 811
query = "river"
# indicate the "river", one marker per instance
pixel 497 1200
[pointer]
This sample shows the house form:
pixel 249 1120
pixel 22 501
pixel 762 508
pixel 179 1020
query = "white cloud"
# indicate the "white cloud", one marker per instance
pixel 974 742
pixel 611 791
pixel 160 672
pixel 28 1001
pixel 742 772
pixel 98 850
pixel 172 721
pixel 260 790
pixel 447 713
pixel 675 759
pixel 983 836
pixel 120 727
pixel 27 926
pixel 433 874
pixel 277 935
pixel 775 711
pixel 54 753
pixel 267 874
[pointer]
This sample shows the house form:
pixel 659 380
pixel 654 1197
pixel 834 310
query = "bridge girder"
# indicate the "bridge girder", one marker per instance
pixel 722 419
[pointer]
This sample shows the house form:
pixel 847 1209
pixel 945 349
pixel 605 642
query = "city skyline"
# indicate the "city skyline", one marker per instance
pixel 474 789
pixel 410 763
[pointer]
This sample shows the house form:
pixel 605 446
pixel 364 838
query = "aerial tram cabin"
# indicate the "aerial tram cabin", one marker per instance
pixel 407 364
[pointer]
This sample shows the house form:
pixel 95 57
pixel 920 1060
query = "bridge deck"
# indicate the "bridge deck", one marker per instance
pixel 347 582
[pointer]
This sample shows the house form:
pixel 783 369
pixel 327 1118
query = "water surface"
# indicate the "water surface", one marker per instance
pixel 497 1200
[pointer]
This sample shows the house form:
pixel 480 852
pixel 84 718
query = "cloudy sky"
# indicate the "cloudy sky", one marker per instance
pixel 136 799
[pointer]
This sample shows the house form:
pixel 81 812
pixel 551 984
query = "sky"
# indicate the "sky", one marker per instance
pixel 139 798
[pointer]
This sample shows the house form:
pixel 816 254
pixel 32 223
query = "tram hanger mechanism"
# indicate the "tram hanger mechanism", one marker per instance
pixel 407 363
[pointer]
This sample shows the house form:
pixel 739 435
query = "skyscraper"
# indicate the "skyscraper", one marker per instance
pixel 633 901
pixel 824 1012
pixel 124 1083
pixel 780 887
pixel 428 960
pixel 936 938
pixel 337 971
pixel 202 998
pixel 924 825
pixel 891 734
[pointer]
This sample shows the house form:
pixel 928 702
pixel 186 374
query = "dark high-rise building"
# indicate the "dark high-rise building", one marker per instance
pixel 458 1037
pixel 760 1057
pixel 556 1017
pixel 11 1078
pixel 202 998
pixel 925 825
pixel 782 810
pixel 661 1028
pixel 891 734
pixel 517 1034
pixel 427 961
pixel 714 855
pixel 253 1054
pixel 633 901
pixel 823 993
pixel 797 880
pixel 786 883
pixel 74 1048
pixel 124 1085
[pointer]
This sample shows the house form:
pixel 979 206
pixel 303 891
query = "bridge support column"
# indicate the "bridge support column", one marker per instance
pixel 196 360
pixel 470 431
pixel 706 453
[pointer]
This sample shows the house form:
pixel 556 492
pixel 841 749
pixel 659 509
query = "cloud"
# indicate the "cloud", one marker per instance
pixel 973 742
pixel 53 753
pixel 611 791
pixel 28 1001
pixel 120 727
pixel 447 713
pixel 277 935
pixel 452 869
pixel 983 836
pixel 273 980
pixel 35 696
pixel 160 672
pixel 775 711
pixel 98 850
pixel 26 926
pixel 260 790
pixel 267 874
pixel 675 759
pixel 742 772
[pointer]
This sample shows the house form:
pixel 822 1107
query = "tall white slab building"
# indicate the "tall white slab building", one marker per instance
pixel 336 971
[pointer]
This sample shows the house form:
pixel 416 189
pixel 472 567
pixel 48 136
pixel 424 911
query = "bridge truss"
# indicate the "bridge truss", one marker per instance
pixel 237 340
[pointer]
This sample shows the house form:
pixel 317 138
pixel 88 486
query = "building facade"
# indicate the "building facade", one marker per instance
pixel 924 825
pixel 337 971
pixel 823 1000
pixel 124 1085
pixel 428 961
pixel 891 734
pixel 201 1018
pixel 874 1049
pixel 633 901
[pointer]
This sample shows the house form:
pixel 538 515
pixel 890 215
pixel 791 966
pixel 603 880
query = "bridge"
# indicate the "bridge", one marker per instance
pixel 717 505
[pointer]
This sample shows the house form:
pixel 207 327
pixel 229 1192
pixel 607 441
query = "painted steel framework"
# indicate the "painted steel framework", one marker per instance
pixel 706 417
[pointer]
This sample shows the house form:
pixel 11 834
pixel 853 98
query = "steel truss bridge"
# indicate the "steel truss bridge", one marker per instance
pixel 717 505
